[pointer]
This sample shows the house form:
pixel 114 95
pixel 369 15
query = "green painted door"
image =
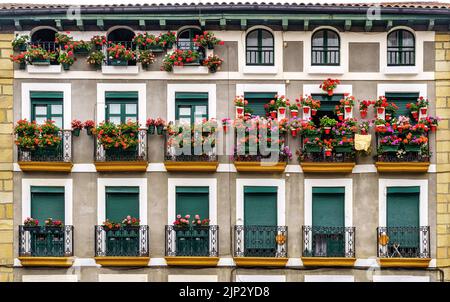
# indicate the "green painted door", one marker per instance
pixel 401 100
pixel 47 202
pixel 193 241
pixel 257 100
pixel 260 221
pixel 403 219
pixel 121 107
pixel 328 215
pixel 47 105
pixel 327 105
pixel 121 202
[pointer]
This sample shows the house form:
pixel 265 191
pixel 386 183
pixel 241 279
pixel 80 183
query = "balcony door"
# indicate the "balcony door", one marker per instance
pixel 121 107
pixel 194 240
pixel 328 221
pixel 257 100
pixel 260 221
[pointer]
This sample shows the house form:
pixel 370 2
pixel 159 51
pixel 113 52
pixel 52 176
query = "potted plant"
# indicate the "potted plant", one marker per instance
pixel 168 39
pixel 390 110
pixel 40 56
pixel 130 222
pixel 329 85
pixel 390 143
pixel 180 58
pixel 20 42
pixel 315 106
pixel 50 222
pixel 413 143
pixel 422 104
pixel 146 41
pixel 146 57
pixel 80 47
pixel 182 222
pixel 207 40
pixel 96 58
pixel 27 135
pixel 281 102
pixel 327 123
pixel 294 126
pixel 293 108
pixel 66 59
pixel 240 103
pixel 309 130
pixel 226 124
pixel 306 104
pixel 364 106
pixel 343 144
pixel 338 110
pixel 363 127
pixel 110 225
pixel 413 109
pixel 160 124
pixel 312 145
pixel 20 59
pixel 328 147
pixel 30 224
pixel 97 42
pixel 122 138
pixel 347 103
pixel 433 122
pixel 89 125
pixel 76 127
pixel 380 106
pixel 150 124
pixel 119 55
pixel 213 62
pixel 62 39
pixel 49 138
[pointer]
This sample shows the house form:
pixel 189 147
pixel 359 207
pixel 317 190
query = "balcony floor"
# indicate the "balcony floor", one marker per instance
pixel 45 166
pixel 191 261
pixel 328 261
pixel 46 261
pixel 122 261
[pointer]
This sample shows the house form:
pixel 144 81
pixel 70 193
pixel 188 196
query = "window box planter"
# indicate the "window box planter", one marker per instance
pixel 156 49
pixel 40 62
pixel 390 148
pixel 343 149
pixel 412 148
pixel 256 166
pixel 117 62
pixel 22 65
pixel 402 167
pixel 312 148
pixel 327 167
pixel 115 153
pixel 191 166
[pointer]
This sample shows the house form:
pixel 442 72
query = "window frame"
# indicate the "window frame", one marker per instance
pixel 191 103
pixel 400 48
pixel 260 49
pixel 191 31
pixel 325 48
pixel 123 115
pixel 35 102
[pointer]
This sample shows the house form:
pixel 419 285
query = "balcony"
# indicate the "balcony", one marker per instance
pixel 120 160
pixel 192 245
pixel 404 246
pixel 57 159
pixel 122 246
pixel 328 246
pixel 46 246
pixel 260 246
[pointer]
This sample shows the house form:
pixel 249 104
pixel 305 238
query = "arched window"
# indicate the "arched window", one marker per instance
pixel 44 38
pixel 123 36
pixel 401 48
pixel 325 48
pixel 259 47
pixel 186 39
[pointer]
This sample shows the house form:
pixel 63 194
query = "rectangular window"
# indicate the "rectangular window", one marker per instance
pixel 121 202
pixel 191 107
pixel 192 201
pixel 327 105
pixel 121 107
pixel 47 202
pixel 401 99
pixel 257 100
pixel 47 105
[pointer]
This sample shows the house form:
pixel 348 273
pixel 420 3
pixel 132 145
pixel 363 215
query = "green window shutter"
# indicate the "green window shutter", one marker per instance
pixel 47 202
pixel 121 95
pixel 328 207
pixel 257 189
pixel 121 202
pixel 401 99
pixel 191 107
pixel 257 100
pixel 327 103
pixel 403 207
pixel 46 95
pixel 47 105
pixel 260 208
pixel 192 201
pixel 121 106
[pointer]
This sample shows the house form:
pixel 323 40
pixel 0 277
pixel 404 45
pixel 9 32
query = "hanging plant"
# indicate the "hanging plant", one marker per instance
pixel 213 62
pixel 146 57
pixel 329 85
pixel 20 42
pixel 66 59
pixel 179 58
pixel 96 58
pixel 207 40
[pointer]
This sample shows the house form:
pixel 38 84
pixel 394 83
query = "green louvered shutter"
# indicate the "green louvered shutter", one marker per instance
pixel 192 201
pixel 47 202
pixel 122 201
pixel 260 206
pixel 257 100
pixel 191 107
pixel 401 99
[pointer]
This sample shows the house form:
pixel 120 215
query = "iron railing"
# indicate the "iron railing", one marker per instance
pixel 403 57
pixel 321 241
pixel 123 241
pixel 128 45
pixel 139 153
pixel 47 45
pixel 315 153
pixel 403 242
pixel 192 240
pixel 260 241
pixel 329 56
pixel 46 241
pixel 260 55
pixel 193 154
pixel 60 153
pixel 402 153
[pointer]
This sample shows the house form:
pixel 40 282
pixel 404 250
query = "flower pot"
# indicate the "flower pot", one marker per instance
pixel 273 114
pixel 363 113
pixel 327 130
pixel 239 110
pixel 156 48
pixel 433 128
pixel 380 110
pixel 312 148
pixel 40 62
pixel 423 110
pixel 414 114
pixel 76 132
pixel 21 47
pixel 159 129
pixel 380 128
pixel 348 109
pixel 213 69
pixel 282 110
pixel 412 148
pixel 389 148
pixel 328 152
pixel 330 92
pixel 210 45
pixel 66 66
pixel 306 109
pixel 313 112
pixel 248 114
pixel 225 128
pixel 343 149
pixel 340 116
pixel 363 132
pixel 388 117
pixel 22 65
pixel 169 45
pixel 294 132
pixel 294 113
pixel 89 130
pixel 118 62
pixel 151 129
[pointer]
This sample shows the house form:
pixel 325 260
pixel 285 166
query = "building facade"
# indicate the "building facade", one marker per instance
pixel 317 216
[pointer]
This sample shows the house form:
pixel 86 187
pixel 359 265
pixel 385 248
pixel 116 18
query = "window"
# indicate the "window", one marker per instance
pixel 186 39
pixel 121 35
pixel 325 48
pixel 47 202
pixel 401 48
pixel 259 47
pixel 257 100
pixel 327 105
pixel 44 38
pixel 121 107
pixel 401 99
pixel 191 107
pixel 121 202
pixel 47 105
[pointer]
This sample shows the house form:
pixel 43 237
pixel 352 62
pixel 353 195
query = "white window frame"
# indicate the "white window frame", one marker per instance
pixel 172 89
pixel 27 183
pixel 173 183
pixel 347 183
pixel 309 89
pixel 241 89
pixel 260 182
pixel 383 184
pixel 102 183
pixel 141 89
pixel 65 88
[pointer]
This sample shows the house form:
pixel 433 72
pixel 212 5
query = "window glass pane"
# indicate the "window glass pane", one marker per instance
pixel 408 39
pixel 252 38
pixel 392 39
pixel 40 120
pixel 40 110
pixel 114 108
pixel 318 38
pixel 184 110
pixel 333 39
pixel 185 120
pixel 114 119
pixel 267 39
pixel 58 121
pixel 200 110
pixel 57 109
pixel 130 108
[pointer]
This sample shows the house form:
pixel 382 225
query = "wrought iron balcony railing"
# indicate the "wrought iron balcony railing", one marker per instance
pixel 132 241
pixel 45 241
pixel 192 241
pixel 320 241
pixel 403 242
pixel 60 153
pixel 403 153
pixel 260 241
pixel 325 56
pixel 404 57
pixel 260 55
pixel 112 61
pixel 139 153
pixel 47 45
pixel 193 154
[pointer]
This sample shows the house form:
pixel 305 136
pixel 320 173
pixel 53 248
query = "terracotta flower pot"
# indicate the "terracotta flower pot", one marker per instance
pixel 239 110
pixel 423 110
pixel 380 110
pixel 363 113
pixel 363 131
pixel 306 109
pixel 225 128
pixel 330 92
pixel 294 113
pixel 348 109
pixel 282 110
pixel 327 130
pixel 414 114
pixel 328 152
pixel 388 116
pixel 294 132
pixel 273 114
pixel 313 112
pixel 340 116
pixel 433 128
